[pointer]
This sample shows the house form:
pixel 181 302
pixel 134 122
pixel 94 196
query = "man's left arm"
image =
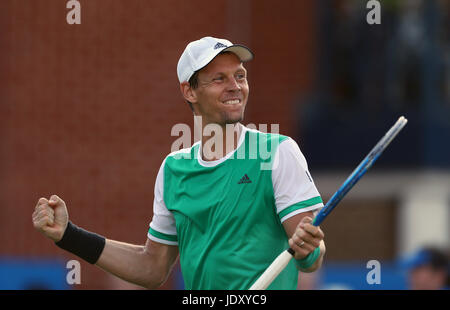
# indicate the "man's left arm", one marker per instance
pixel 297 199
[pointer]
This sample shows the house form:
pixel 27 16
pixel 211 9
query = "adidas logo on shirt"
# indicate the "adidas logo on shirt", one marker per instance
pixel 245 179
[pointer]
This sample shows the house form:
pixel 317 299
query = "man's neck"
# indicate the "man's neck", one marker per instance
pixel 219 140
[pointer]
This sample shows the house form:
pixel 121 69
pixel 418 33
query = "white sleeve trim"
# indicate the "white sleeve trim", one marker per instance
pixel 151 237
pixel 315 207
pixel 292 182
pixel 163 220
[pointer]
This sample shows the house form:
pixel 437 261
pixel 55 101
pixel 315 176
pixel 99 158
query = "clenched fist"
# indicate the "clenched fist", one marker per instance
pixel 50 217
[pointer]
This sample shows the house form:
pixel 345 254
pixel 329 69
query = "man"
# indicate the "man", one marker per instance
pixel 428 269
pixel 224 213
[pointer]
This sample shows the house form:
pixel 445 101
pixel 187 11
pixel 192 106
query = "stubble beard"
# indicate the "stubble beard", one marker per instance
pixel 230 119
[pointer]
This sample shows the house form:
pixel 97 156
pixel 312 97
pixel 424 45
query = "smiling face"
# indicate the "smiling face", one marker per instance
pixel 222 92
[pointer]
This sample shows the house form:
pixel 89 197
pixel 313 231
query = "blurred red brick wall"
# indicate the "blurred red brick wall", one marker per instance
pixel 86 110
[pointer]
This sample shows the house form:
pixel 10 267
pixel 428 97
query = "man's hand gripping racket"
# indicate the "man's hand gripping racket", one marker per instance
pixel 283 259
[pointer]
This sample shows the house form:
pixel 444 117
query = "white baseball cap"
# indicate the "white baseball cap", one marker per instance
pixel 200 53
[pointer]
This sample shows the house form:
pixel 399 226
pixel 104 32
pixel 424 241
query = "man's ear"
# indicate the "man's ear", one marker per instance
pixel 188 93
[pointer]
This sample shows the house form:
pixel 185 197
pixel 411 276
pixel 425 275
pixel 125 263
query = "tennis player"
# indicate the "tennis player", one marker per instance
pixel 226 215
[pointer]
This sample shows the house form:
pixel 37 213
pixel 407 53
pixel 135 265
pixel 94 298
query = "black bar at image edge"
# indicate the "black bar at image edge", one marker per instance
pixel 223 299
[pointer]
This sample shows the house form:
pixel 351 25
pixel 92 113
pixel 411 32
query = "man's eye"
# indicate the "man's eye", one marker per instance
pixel 240 76
pixel 218 79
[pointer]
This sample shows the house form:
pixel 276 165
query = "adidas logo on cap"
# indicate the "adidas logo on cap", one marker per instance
pixel 219 45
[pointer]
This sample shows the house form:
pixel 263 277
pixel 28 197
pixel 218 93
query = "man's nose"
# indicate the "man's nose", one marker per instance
pixel 233 84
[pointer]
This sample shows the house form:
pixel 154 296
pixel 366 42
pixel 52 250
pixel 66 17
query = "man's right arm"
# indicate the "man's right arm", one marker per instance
pixel 148 266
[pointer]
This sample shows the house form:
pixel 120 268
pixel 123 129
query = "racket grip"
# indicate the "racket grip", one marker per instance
pixel 272 271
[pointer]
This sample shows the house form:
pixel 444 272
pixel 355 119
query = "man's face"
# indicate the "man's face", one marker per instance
pixel 222 92
pixel 426 278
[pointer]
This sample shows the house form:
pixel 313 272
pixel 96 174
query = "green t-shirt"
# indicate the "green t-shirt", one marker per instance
pixel 226 215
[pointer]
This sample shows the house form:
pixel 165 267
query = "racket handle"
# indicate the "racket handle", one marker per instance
pixel 273 270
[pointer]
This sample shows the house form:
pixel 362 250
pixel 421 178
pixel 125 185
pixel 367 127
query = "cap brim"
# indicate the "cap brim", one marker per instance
pixel 243 52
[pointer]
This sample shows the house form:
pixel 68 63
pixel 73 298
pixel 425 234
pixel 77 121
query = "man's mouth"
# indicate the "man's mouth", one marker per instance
pixel 232 101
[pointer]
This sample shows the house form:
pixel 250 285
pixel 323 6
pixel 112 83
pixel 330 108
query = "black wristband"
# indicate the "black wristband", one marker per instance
pixel 86 245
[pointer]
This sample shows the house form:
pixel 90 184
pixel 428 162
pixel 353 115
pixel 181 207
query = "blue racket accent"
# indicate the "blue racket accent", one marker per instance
pixel 362 168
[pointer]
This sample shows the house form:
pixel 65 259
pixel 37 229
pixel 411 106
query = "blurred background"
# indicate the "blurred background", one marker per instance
pixel 86 113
